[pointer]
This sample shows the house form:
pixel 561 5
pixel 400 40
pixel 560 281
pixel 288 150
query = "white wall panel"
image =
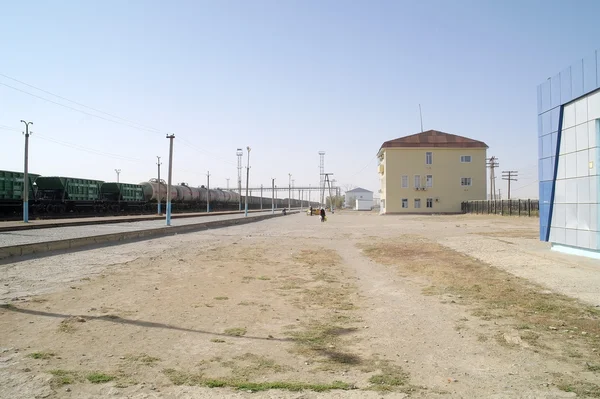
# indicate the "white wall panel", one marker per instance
pixel 559 216
pixel 594 189
pixel 581 111
pixel 571 165
pixel 570 139
pixel 583 190
pixel 582 163
pixel 571 216
pixel 559 235
pixel 594 106
pixel 569 116
pixel 583 216
pixel 560 192
pixel 561 173
pixel 592 139
pixel 571 237
pixel 581 136
pixel 583 239
pixel 594 217
pixel 592 164
pixel 571 191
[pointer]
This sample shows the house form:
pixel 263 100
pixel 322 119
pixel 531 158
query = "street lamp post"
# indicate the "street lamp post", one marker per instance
pixel 290 191
pixel 247 182
pixel 272 196
pixel 170 137
pixel 26 175
pixel 118 171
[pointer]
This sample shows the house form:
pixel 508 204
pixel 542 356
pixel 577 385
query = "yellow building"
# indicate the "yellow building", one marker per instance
pixel 431 172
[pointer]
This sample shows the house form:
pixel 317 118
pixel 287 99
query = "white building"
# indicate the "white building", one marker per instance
pixel 365 197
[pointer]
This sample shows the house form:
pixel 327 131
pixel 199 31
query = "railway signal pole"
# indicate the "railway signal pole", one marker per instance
pixel 118 173
pixel 509 175
pixel 26 175
pixel 207 191
pixel 170 137
pixel 158 163
pixel 247 182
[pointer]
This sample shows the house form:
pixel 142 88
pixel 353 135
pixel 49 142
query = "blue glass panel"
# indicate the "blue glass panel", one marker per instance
pixel 542 232
pixel 554 119
pixel 577 79
pixel 589 73
pixel 554 141
pixel 541 147
pixel 547 122
pixel 539 126
pixel 555 90
pixel 546 193
pixel 546 146
pixel 539 99
pixel 565 86
pixel 547 168
pixel 540 169
pixel 546 98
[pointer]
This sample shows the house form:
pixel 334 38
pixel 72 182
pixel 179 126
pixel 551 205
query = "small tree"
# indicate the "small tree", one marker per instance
pixel 338 201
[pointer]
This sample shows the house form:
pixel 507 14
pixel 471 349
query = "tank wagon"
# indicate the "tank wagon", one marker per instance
pixel 60 195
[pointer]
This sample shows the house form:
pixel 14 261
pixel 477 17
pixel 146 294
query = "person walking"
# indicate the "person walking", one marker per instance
pixel 322 214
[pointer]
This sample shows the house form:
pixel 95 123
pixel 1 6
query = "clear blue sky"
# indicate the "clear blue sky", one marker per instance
pixel 288 78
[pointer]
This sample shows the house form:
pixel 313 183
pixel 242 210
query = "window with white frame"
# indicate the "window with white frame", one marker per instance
pixel 429 202
pixel 417 181
pixel 429 181
pixel 465 181
pixel 404 202
pixel 417 203
pixel 405 181
pixel 428 158
pixel 465 158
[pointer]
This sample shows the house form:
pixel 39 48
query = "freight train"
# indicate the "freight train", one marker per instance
pixel 67 195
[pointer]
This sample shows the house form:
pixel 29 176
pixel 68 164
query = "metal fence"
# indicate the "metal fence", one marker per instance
pixel 519 207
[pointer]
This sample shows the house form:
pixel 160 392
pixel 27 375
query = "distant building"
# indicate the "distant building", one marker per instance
pixel 569 156
pixel 358 194
pixel 431 172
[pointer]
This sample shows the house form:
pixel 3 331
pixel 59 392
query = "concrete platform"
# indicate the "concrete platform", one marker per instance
pixel 51 223
pixel 38 241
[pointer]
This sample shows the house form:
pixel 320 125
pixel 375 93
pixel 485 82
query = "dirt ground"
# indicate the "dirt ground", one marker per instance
pixel 362 306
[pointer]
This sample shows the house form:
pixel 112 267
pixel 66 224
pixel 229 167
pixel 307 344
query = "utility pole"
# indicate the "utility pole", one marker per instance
pixel 170 137
pixel 239 154
pixel 509 175
pixel 272 195
pixel 227 183
pixel 118 173
pixel 321 176
pixel 208 191
pixel 492 163
pixel 290 191
pixel 158 163
pixel 421 114
pixel 26 174
pixel 247 181
pixel 261 195
pixel 300 198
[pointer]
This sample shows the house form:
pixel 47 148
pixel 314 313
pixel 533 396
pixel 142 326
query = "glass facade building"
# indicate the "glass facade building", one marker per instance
pixel 569 154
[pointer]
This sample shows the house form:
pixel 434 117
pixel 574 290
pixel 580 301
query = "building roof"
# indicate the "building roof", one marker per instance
pixel 433 138
pixel 359 190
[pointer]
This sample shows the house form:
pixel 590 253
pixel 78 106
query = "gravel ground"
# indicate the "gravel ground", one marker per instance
pixel 287 299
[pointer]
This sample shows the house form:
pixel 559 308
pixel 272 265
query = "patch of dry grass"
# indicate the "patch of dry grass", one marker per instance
pixel 539 318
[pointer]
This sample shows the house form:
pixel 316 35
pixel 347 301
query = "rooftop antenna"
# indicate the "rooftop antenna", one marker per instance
pixel 421 114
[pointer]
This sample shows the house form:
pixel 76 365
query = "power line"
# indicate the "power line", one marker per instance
pixel 77 110
pixel 128 123
pixel 80 104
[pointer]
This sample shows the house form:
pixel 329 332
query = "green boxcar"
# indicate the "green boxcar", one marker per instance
pixel 11 185
pixel 122 192
pixel 67 189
